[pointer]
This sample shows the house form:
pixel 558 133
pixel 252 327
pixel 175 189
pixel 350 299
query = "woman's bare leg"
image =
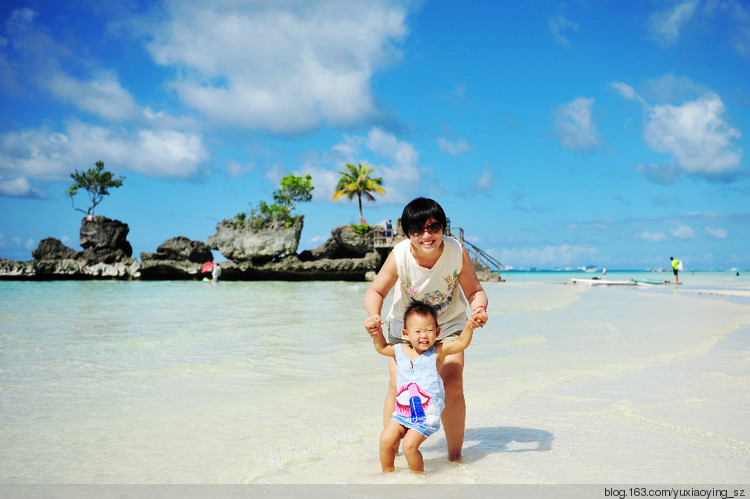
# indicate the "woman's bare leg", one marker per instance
pixel 454 414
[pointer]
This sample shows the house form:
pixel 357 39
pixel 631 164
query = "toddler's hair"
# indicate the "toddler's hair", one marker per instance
pixel 420 308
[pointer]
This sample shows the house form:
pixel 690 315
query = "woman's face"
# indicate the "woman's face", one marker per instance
pixel 429 238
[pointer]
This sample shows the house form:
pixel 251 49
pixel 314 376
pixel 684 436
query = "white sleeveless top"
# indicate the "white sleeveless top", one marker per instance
pixel 437 286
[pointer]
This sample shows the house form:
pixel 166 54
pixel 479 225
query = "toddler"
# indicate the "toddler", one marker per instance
pixel 420 396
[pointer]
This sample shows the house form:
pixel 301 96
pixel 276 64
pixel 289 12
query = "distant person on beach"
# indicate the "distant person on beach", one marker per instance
pixel 388 232
pixel 421 395
pixel 215 273
pixel 433 268
pixel 675 268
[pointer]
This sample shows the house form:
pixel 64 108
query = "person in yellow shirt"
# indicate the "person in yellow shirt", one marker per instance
pixel 676 267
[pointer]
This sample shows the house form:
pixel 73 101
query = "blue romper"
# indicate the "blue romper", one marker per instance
pixel 420 395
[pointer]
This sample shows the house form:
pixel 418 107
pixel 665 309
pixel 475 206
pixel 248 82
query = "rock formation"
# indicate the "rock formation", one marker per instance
pixel 238 240
pixel 268 254
pixel 53 249
pixel 105 241
pixel 106 255
pixel 176 258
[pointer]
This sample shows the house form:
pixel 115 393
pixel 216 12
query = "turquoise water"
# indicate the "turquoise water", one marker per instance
pixel 274 382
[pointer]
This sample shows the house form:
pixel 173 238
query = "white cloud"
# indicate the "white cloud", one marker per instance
pixel 23 243
pixel 575 126
pixel 717 233
pixel 660 173
pixel 667 24
pixel 18 187
pixel 36 55
pixel 44 154
pixel 286 66
pixel 485 180
pixel 625 90
pixel 549 256
pixel 653 237
pixel 696 134
pixel 453 148
pixel 237 170
pixel 726 20
pixel 102 95
pixel 396 161
pixel 683 232
pixel 558 25
pixel 672 88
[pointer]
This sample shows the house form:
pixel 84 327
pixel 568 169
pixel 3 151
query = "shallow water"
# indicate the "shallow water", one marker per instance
pixel 274 382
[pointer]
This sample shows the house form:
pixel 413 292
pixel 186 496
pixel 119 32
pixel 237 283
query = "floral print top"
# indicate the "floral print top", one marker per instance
pixel 437 286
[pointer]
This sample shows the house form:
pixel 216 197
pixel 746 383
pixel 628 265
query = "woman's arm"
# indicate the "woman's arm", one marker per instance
pixel 473 291
pixel 376 293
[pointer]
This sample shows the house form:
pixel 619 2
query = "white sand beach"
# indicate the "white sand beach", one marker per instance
pixel 277 383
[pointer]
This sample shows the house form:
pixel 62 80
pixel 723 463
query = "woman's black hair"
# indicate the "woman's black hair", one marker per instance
pixel 418 212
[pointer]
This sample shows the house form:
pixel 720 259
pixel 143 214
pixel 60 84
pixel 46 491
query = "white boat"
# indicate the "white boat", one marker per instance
pixel 602 282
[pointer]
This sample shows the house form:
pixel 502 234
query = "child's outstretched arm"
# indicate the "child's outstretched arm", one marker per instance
pixel 460 344
pixel 378 340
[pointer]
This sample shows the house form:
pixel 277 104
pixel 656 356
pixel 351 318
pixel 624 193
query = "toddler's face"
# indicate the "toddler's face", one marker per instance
pixel 421 331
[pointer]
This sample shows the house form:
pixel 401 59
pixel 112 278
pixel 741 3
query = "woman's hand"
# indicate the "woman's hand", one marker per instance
pixel 374 325
pixel 478 316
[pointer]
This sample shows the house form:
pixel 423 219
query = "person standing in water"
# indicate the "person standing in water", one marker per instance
pixel 675 268
pixel 434 268
pixel 419 402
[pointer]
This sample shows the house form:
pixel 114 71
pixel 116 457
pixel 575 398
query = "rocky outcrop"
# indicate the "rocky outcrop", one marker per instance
pixel 106 255
pixel 105 241
pixel 345 242
pixel 177 258
pixel 239 240
pixel 53 249
pixel 346 255
pixel 291 268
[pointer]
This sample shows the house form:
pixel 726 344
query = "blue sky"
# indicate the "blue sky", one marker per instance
pixel 557 134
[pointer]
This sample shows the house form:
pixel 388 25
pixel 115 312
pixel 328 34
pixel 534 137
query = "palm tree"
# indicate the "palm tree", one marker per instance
pixel 356 181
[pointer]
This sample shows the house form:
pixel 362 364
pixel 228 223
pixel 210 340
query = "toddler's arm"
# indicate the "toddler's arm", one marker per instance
pixel 460 344
pixel 378 340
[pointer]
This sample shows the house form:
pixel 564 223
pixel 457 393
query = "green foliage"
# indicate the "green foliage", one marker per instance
pixel 293 190
pixel 362 229
pixel 96 181
pixel 357 181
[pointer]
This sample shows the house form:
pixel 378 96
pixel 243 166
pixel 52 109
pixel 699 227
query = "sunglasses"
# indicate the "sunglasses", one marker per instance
pixel 432 228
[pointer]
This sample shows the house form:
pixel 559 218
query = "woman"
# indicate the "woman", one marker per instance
pixel 429 267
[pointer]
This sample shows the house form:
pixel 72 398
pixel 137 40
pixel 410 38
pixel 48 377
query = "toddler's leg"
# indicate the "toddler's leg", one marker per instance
pixel 412 440
pixel 389 439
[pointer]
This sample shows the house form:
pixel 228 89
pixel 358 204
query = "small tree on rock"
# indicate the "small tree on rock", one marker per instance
pixel 293 190
pixel 96 181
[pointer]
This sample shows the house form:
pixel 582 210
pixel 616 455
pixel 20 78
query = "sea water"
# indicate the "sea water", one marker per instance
pixel 277 382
